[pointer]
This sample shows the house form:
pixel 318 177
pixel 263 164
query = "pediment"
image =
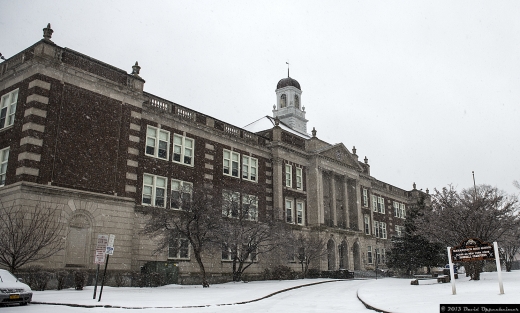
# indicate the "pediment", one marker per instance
pixel 341 154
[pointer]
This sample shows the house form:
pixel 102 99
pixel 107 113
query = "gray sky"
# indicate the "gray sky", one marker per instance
pixel 428 91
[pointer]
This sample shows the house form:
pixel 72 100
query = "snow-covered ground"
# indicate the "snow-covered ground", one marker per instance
pixel 388 294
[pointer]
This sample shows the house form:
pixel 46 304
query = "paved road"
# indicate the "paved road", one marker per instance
pixel 339 296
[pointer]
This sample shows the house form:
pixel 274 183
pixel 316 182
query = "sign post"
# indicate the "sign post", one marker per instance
pixel 499 269
pixel 452 273
pixel 109 250
pixel 99 257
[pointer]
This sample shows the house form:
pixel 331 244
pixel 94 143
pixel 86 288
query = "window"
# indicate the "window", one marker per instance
pixel 181 192
pixel 299 180
pixel 403 210
pixel 230 203
pixel 231 162
pixel 381 204
pixel 250 207
pixel 376 229
pixel 249 168
pixel 374 203
pixel 299 213
pixel 288 175
pixel 183 149
pixel 365 197
pixel 382 232
pixel 383 255
pixel 157 142
pixel 367 224
pixel 369 255
pixel 4 157
pixel 154 190
pixel 289 211
pixel 399 230
pixel 378 256
pixel 296 101
pixel 8 108
pixel 226 252
pixel 399 210
pixel 178 248
pixel 283 101
pixel 396 209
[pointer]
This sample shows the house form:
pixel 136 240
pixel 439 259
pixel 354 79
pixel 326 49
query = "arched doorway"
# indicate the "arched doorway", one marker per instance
pixel 357 256
pixel 78 241
pixel 331 255
pixel 343 255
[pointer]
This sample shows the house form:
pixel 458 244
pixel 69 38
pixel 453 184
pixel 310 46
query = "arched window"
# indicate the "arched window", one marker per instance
pixel 283 101
pixel 331 255
pixel 296 102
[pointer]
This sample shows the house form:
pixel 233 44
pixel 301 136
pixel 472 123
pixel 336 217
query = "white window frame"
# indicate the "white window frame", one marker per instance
pixel 365 197
pixel 158 139
pixel 249 165
pixel 185 151
pixel 230 198
pixel 299 178
pixel 300 213
pixel 403 210
pixel 182 187
pixel 367 224
pixel 4 159
pixel 382 233
pixel 399 230
pixel 383 256
pixel 375 226
pixel 397 212
pixel 252 201
pixel 288 175
pixel 370 259
pixel 289 211
pixel 374 203
pixel 8 108
pixel 381 204
pixel 231 163
pixel 154 188
pixel 180 241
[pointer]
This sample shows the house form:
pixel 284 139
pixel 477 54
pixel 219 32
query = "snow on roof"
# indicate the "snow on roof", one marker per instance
pixel 267 122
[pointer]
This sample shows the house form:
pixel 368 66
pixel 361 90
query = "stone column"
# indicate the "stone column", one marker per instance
pixel 319 187
pixel 278 203
pixel 346 202
pixel 333 200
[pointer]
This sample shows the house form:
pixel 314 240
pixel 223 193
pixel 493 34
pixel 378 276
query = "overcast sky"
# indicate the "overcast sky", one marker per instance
pixel 428 91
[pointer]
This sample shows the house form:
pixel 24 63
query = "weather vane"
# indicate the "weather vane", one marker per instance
pixel 287 68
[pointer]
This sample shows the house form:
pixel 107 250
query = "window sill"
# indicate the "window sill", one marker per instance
pixel 180 163
pixel 179 259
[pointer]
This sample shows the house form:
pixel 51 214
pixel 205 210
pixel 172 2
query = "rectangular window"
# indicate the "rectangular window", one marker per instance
pixel 378 256
pixel 8 108
pixel 154 190
pixel 376 229
pixel 397 209
pixel 250 207
pixel 249 168
pixel 381 204
pixel 369 255
pixel 230 203
pixel 402 210
pixel 383 255
pixel 299 178
pixel 157 142
pixel 382 231
pixel 365 197
pixel 179 248
pixel 374 203
pixel 183 149
pixel 181 192
pixel 299 213
pixel 289 211
pixel 231 162
pixel 4 157
pixel 288 175
pixel 399 230
pixel 226 252
pixel 367 224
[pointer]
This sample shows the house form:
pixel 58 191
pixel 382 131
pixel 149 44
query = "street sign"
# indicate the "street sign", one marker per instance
pixel 110 246
pixel 472 249
pixel 101 246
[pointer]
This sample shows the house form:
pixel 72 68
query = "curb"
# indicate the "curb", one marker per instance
pixel 368 306
pixel 188 306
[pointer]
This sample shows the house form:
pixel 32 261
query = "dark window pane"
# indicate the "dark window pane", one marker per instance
pixel 176 157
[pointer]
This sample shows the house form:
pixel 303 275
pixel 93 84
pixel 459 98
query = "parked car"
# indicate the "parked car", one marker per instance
pixel 12 290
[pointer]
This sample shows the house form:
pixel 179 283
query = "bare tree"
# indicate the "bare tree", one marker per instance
pixel 243 236
pixel 29 234
pixel 192 218
pixel 482 212
pixel 310 248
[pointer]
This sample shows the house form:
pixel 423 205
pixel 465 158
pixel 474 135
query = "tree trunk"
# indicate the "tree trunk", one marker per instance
pixel 204 279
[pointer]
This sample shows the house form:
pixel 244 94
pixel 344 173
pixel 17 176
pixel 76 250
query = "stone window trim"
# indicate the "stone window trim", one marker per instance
pixel 249 168
pixel 157 143
pixel 8 103
pixel 154 190
pixel 183 150
pixel 231 163
pixel 179 248
pixel 180 192
pixel 4 158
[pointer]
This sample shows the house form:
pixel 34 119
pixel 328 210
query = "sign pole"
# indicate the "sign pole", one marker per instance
pixel 103 280
pixel 95 286
pixel 452 273
pixel 499 269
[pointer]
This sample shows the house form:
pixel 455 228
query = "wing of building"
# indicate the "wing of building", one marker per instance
pixel 84 136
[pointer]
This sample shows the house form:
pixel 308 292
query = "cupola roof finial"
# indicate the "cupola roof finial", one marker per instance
pixel 287 68
pixel 135 69
pixel 47 32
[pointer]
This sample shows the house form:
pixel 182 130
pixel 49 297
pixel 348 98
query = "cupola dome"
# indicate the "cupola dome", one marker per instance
pixel 288 81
